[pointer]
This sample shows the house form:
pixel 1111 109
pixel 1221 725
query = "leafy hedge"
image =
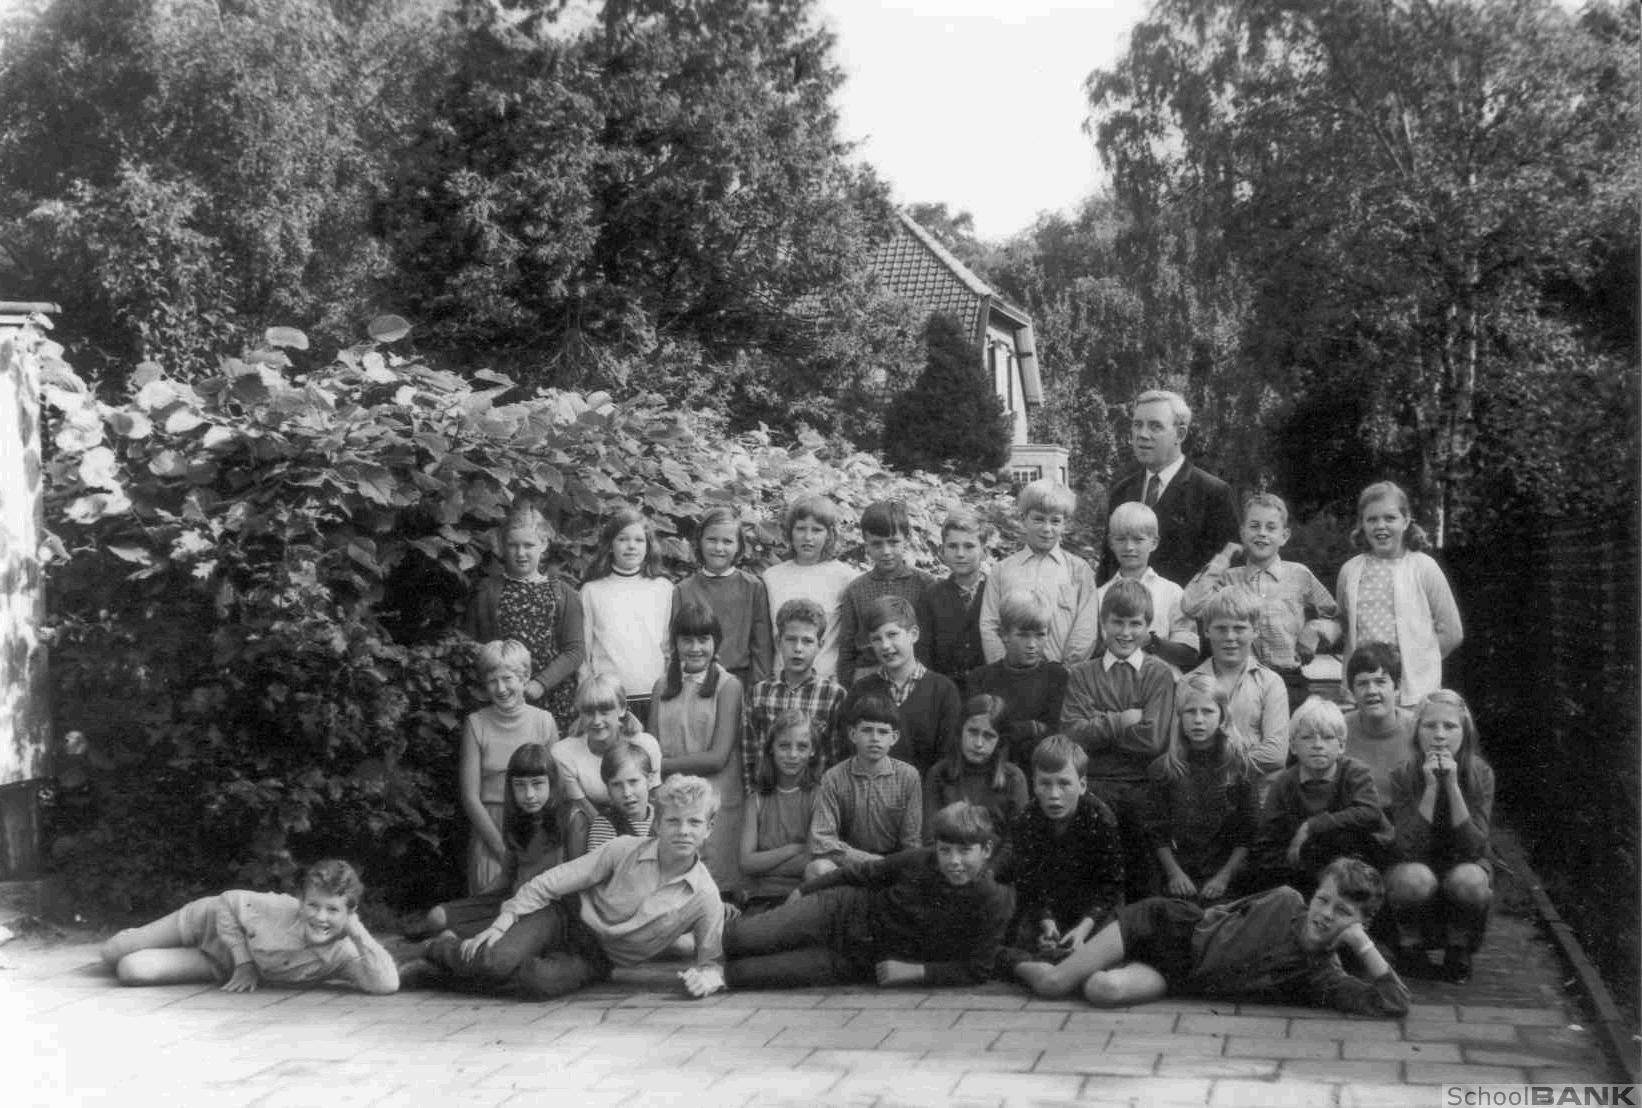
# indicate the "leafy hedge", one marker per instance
pixel 255 578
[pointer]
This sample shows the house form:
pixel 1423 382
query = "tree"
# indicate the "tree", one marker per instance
pixel 951 418
pixel 1399 185
pixel 172 171
pixel 664 187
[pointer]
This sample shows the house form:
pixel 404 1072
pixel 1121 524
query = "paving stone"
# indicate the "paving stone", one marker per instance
pixel 1150 1091
pixel 923 1039
pixel 759 998
pixel 1252 1046
pixel 876 998
pixel 809 1084
pixel 1374 1050
pixel 933 1018
pixel 706 1038
pixel 685 1016
pixel 910 1088
pixel 860 1061
pixel 731 1058
pixel 1346 1029
pixel 831 1038
pixel 1250 1068
pixel 1183 1046
pixel 1272 1094
pixel 976 1001
pixel 1439 1073
pixel 1459 1033
pixel 1519 1055
pixel 1011 1021
pixel 1522 1017
pixel 1312 1069
pixel 1281 1011
pixel 1355 1095
pixel 1572 1075
pixel 1019 1086
pixel 805 1017
pixel 1067 1041
pixel 1268 1026
pixel 1146 1023
pixel 1096 1062
pixel 963 1061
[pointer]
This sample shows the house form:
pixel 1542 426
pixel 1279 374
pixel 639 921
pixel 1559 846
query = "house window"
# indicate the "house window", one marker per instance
pixel 1025 475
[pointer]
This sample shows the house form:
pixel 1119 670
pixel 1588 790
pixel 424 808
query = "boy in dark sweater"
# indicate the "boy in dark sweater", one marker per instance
pixel 932 916
pixel 949 611
pixel 1271 945
pixel 928 703
pixel 1322 807
pixel 1065 858
pixel 1031 687
pixel 888 535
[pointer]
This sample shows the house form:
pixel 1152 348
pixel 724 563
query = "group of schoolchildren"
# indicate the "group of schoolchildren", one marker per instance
pixel 815 776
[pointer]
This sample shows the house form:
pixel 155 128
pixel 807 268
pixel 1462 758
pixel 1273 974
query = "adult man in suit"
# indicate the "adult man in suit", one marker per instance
pixel 1196 515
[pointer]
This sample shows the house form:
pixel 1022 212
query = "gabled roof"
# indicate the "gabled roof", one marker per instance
pixel 914 266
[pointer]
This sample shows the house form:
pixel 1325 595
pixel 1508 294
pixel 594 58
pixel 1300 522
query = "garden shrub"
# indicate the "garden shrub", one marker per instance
pixel 256 576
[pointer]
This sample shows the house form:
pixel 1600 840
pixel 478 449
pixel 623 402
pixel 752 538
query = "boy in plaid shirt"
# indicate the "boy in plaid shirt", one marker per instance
pixel 800 627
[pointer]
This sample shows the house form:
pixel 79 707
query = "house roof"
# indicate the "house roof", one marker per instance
pixel 914 266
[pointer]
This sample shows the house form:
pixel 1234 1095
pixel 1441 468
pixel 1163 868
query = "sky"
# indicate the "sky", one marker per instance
pixel 977 103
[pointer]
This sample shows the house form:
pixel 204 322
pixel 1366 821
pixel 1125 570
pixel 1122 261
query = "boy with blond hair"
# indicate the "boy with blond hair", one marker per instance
pixel 1296 612
pixel 1064 580
pixel 1131 535
pixel 1257 699
pixel 1322 807
pixel 949 611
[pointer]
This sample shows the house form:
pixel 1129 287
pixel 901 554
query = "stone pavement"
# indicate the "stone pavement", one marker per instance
pixel 72 1036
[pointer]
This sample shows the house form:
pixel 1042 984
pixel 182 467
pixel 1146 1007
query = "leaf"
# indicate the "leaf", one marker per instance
pixel 146 372
pixel 156 394
pixel 388 328
pixel 130 553
pixel 181 421
pixel 133 425
pixel 99 468
pixel 285 336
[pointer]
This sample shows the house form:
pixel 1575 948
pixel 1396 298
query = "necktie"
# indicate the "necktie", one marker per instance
pixel 1153 486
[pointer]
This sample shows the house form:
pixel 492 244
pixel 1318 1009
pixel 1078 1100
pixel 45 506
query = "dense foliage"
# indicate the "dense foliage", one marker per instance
pixel 258 572
pixel 951 418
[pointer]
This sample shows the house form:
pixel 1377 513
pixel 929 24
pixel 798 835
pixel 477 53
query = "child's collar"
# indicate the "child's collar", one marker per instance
pixel 1332 774
pixel 788 679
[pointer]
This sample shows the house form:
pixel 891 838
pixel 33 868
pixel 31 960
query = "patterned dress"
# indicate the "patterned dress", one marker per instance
pixel 530 612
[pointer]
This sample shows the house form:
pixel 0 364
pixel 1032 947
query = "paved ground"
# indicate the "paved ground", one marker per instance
pixel 85 1040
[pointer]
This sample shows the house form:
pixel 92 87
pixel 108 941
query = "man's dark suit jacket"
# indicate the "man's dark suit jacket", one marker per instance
pixel 1196 516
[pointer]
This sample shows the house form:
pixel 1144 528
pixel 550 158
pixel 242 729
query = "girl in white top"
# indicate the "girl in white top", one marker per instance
pixel 1397 594
pixel 814 572
pixel 602 722
pixel 626 604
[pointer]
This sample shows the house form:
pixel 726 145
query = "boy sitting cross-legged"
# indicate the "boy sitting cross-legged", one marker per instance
pixel 949 611
pixel 888 533
pixel 872 804
pixel 1257 700
pixel 1120 707
pixel 1324 806
pixel 620 905
pixel 1030 685
pixel 1132 536
pixel 932 916
pixel 800 628
pixel 1064 580
pixel 928 703
pixel 1296 611
pixel 1379 730
pixel 1066 860
pixel 1273 944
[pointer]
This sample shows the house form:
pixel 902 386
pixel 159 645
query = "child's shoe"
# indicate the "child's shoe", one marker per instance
pixel 1456 964
pixel 417 973
pixel 1415 962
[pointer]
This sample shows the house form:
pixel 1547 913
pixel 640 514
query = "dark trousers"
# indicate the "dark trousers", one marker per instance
pixel 819 939
pixel 545 954
pixel 1127 799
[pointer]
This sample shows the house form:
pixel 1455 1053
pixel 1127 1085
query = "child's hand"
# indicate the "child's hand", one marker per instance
pixel 1130 717
pixel 534 690
pixel 474 946
pixel 891 973
pixel 1078 935
pixel 244 979
pixel 1296 843
pixel 1181 886
pixel 1221 562
pixel 700 981
pixel 1214 888
pixel 1352 937
pixel 794 897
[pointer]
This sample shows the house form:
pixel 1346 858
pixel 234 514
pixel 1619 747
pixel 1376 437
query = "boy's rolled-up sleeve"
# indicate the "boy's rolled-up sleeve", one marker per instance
pixel 233 912
pixel 592 868
pixel 1331 986
pixel 708 932
pixel 374 970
